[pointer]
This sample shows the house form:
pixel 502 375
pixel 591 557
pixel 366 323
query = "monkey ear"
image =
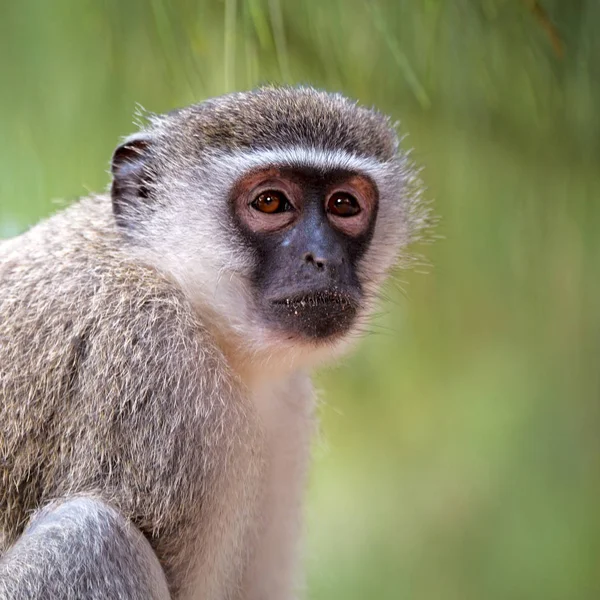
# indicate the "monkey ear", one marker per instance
pixel 133 176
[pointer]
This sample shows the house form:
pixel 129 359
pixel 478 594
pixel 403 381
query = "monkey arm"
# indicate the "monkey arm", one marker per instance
pixel 79 549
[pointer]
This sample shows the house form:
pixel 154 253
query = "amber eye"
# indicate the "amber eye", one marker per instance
pixel 342 204
pixel 271 202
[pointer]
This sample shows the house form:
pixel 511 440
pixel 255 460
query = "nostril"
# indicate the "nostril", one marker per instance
pixel 309 258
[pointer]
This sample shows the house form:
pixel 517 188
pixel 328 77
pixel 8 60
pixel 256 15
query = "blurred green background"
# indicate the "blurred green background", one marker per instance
pixel 460 449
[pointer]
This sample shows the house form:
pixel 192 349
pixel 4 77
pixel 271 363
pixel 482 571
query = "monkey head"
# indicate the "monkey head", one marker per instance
pixel 279 210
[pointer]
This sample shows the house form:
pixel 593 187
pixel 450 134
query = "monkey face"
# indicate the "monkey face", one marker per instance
pixel 308 229
pixel 278 212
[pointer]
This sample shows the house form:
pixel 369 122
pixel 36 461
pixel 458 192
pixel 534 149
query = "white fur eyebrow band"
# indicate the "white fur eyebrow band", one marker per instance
pixel 233 165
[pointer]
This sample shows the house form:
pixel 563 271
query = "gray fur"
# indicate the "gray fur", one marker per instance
pixel 131 359
pixel 280 117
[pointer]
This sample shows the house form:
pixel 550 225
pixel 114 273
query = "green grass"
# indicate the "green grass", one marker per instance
pixel 459 455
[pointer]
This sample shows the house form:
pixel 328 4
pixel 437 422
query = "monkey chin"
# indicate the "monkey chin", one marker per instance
pixel 272 349
pixel 306 332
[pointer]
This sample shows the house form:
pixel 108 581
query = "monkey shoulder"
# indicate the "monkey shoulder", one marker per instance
pixel 73 282
pixel 109 381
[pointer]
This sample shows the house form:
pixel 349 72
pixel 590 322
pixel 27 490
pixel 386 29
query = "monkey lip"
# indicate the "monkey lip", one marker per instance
pixel 325 298
pixel 315 315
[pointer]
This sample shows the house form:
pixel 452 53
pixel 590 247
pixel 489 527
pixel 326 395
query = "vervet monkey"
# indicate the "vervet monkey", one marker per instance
pixel 156 408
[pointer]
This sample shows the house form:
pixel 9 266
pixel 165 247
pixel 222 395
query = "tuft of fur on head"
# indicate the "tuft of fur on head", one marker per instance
pixel 195 155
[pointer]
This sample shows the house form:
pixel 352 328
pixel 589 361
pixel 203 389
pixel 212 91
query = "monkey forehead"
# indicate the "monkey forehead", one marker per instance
pixel 276 117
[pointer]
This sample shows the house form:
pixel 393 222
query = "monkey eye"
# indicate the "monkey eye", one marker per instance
pixel 271 202
pixel 342 204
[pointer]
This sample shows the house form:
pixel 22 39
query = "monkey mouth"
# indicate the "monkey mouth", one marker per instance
pixel 315 315
pixel 332 298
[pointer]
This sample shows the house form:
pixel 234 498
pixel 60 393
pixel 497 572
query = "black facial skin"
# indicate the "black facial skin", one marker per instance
pixel 305 278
